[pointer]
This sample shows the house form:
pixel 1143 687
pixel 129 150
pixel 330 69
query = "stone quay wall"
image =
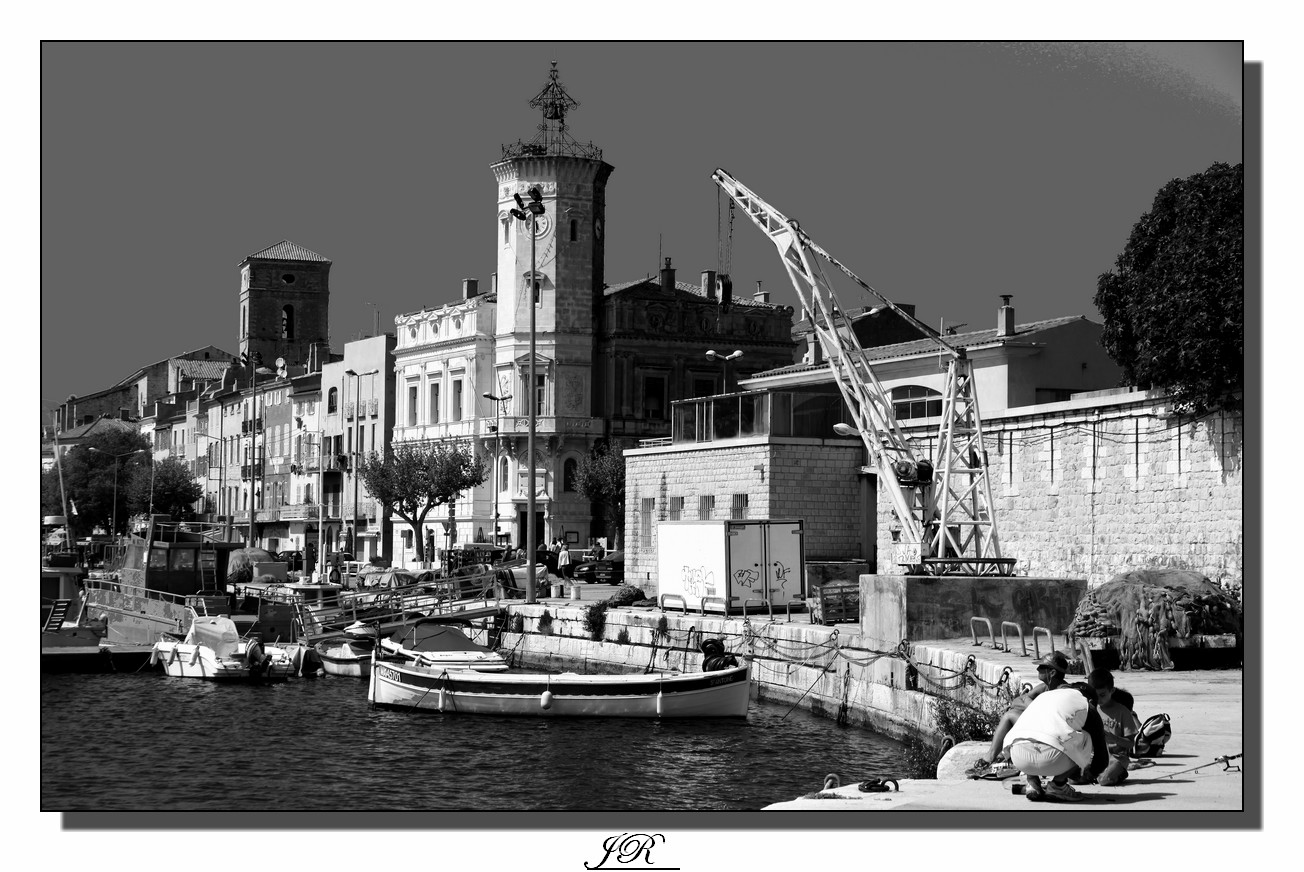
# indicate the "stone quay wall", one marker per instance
pixel 829 671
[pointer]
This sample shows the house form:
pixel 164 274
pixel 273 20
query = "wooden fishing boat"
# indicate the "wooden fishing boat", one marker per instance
pixel 719 693
pixel 346 656
pixel 213 649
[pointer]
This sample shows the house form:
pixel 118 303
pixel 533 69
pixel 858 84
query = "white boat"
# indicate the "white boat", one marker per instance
pixel 345 656
pixel 720 693
pixel 213 649
pixel 430 643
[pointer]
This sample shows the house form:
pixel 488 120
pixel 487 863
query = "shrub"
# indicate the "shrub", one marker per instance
pixel 623 636
pixel 595 619
pixel 956 721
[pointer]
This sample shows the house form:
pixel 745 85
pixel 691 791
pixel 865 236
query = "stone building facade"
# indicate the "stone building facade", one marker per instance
pixel 1085 488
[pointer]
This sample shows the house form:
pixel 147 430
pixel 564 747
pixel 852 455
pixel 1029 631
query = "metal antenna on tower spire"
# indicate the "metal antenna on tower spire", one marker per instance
pixel 552 138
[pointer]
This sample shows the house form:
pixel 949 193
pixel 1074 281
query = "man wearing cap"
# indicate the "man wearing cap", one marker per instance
pixel 1051 669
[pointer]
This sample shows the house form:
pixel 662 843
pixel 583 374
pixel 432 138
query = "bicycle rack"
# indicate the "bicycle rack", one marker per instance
pixel 768 606
pixel 1050 640
pixel 701 605
pixel 1005 641
pixel 787 607
pixel 974 630
pixel 666 599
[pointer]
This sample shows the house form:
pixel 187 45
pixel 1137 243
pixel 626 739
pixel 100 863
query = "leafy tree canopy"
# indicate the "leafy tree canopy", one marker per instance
pixel 414 478
pixel 1174 303
pixel 173 486
pixel 600 478
pixel 88 480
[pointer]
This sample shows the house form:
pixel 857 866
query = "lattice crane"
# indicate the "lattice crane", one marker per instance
pixel 944 504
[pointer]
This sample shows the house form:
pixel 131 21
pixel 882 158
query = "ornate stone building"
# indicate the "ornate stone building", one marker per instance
pixel 609 359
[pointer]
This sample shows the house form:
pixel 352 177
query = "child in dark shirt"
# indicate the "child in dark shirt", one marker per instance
pixel 1120 722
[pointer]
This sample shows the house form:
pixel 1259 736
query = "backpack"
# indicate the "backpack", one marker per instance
pixel 1153 736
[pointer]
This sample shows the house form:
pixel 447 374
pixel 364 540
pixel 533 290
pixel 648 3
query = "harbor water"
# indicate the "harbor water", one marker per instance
pixel 149 742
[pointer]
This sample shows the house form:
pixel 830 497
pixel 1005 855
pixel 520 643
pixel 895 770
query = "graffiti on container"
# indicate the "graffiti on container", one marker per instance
pixel 781 577
pixel 750 580
pixel 697 581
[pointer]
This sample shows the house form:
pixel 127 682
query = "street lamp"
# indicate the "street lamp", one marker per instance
pixel 498 433
pixel 530 212
pixel 353 460
pixel 116 458
pixel 724 363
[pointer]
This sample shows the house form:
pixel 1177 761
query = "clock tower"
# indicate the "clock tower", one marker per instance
pixel 568 257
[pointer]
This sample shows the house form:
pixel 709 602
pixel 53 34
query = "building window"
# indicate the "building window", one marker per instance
pixel 287 322
pixel 647 506
pixel 244 321
pixel 433 411
pixel 574 230
pixel 705 508
pixel 457 399
pixel 703 387
pixel 507 226
pixel 502 475
pixel 738 507
pixel 407 540
pixel 540 394
pixel 676 508
pixel 332 400
pixel 412 406
pixel 569 472
pixel 654 397
pixel 914 401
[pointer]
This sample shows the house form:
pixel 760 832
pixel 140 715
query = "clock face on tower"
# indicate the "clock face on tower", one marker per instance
pixel 542 224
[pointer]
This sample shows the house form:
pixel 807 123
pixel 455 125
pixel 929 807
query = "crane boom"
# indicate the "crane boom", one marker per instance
pixel 944 506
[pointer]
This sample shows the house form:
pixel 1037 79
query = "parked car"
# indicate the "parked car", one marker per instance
pixel 609 570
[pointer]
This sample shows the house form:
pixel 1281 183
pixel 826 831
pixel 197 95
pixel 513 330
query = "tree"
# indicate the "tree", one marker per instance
pixel 414 478
pixel 88 479
pixel 169 487
pixel 600 479
pixel 1174 303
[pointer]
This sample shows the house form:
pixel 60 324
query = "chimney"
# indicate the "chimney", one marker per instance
pixel 816 350
pixel 760 296
pixel 667 277
pixel 708 283
pixel 1005 317
pixel 470 288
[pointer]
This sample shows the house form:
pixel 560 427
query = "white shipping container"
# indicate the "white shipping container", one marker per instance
pixel 725 565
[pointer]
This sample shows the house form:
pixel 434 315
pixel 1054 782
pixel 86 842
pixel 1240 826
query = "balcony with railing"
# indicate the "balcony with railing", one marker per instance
pixel 373 407
pixel 760 413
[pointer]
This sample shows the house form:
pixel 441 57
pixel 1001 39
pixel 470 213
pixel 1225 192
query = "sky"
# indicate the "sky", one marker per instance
pixel 943 174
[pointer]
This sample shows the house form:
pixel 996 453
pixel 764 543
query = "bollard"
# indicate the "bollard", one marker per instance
pixel 1005 641
pixel 974 630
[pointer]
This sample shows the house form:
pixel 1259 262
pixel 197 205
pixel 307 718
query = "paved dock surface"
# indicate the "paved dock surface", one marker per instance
pixel 1206 707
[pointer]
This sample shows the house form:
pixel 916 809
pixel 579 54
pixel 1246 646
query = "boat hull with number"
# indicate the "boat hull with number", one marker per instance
pixel 720 693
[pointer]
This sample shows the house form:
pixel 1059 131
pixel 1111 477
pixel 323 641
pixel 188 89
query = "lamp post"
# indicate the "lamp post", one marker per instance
pixel 498 433
pixel 116 458
pixel 530 213
pixel 353 459
pixel 724 363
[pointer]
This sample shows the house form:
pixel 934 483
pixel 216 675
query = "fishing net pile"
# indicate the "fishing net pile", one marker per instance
pixel 1147 607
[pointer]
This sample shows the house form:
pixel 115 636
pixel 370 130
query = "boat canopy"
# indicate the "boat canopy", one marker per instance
pixel 218 633
pixel 431 637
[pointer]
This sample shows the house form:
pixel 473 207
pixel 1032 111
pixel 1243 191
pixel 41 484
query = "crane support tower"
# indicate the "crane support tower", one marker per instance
pixel 943 504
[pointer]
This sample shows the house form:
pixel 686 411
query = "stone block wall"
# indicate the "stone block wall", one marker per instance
pixel 1089 490
pixel 782 479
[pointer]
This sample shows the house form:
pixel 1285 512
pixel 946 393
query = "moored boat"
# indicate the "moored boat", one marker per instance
pixel 213 649
pixel 719 693
pixel 345 656
pixel 432 643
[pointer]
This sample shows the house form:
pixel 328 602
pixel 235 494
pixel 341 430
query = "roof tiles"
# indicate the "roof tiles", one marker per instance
pixel 287 250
